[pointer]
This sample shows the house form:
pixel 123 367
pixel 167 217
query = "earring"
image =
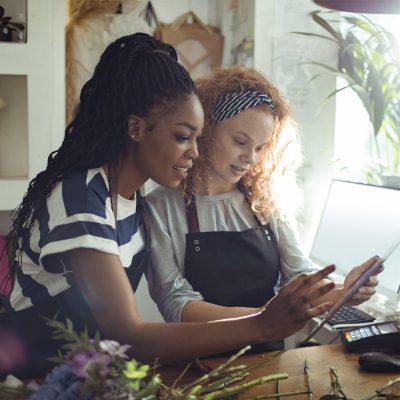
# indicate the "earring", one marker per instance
pixel 134 133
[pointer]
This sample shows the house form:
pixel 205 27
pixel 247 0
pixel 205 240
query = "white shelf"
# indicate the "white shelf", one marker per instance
pixel 17 60
pixel 10 191
pixel 14 127
pixel 32 84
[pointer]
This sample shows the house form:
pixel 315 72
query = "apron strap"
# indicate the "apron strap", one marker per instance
pixel 259 218
pixel 191 214
pixel 193 219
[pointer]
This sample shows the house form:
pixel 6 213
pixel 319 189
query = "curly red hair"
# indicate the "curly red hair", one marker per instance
pixel 258 184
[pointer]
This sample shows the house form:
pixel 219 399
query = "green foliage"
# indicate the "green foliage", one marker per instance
pixel 369 62
pixel 115 377
pixel 105 372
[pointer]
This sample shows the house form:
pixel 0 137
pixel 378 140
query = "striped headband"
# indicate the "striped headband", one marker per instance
pixel 231 104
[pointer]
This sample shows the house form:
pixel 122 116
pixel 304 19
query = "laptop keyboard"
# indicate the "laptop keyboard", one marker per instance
pixel 350 315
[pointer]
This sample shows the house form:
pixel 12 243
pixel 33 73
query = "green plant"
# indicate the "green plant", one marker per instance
pixel 369 63
pixel 6 26
pixel 98 369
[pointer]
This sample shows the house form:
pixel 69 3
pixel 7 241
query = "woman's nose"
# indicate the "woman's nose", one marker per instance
pixel 250 156
pixel 193 151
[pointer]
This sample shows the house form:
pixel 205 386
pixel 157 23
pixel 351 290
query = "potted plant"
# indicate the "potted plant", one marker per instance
pixel 7 27
pixel 369 63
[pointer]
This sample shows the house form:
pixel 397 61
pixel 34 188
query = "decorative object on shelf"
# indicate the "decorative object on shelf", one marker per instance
pixel 7 27
pixel 199 46
pixel 362 6
pixel 243 53
pixel 149 15
pixel 92 26
pixel 369 62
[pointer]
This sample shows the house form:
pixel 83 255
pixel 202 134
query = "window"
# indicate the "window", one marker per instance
pixel 355 153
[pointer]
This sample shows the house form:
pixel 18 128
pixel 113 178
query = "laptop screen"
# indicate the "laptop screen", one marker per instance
pixel 358 222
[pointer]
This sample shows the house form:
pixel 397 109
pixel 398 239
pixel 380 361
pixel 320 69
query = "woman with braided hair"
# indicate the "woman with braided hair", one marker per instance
pixel 220 246
pixel 79 236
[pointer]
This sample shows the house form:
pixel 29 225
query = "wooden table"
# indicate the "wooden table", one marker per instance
pixel 356 383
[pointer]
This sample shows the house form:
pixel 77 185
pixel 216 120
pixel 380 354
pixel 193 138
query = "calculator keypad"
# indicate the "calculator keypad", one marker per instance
pixel 359 334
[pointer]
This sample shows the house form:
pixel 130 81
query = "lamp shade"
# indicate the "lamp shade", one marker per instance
pixel 362 6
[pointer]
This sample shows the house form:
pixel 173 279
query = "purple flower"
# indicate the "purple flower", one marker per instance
pixel 60 384
pixel 85 363
pixel 61 374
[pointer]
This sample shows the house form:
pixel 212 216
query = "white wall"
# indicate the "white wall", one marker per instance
pixel 279 52
pixel 5 222
pixel 169 10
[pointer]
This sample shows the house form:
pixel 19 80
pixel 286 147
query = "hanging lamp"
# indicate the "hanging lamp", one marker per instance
pixel 362 6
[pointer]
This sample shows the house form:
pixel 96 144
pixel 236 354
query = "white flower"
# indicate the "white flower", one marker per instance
pixel 113 348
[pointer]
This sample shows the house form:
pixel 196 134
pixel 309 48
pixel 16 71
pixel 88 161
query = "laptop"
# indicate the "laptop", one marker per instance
pixel 357 222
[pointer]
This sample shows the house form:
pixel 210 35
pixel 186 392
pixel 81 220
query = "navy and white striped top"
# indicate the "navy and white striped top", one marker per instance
pixel 78 215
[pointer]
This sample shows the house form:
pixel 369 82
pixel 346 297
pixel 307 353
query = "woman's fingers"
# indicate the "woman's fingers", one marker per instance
pixel 318 292
pixel 314 278
pixel 299 305
pixel 305 290
pixel 293 302
pixel 373 281
pixel 305 281
pixel 307 311
pixel 364 293
pixel 291 308
pixel 368 289
pixel 366 264
pixel 319 309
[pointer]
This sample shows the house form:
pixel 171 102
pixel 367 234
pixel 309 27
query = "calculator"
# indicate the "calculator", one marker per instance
pixel 383 335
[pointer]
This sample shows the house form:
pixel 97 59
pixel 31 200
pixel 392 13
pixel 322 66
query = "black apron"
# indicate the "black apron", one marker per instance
pixel 233 269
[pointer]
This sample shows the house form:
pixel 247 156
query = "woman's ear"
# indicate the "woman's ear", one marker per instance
pixel 135 127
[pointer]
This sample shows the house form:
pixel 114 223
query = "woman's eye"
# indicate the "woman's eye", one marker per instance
pixel 258 149
pixel 182 138
pixel 239 142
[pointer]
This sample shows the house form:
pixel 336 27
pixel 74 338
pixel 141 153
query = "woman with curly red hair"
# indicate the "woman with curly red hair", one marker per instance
pixel 223 244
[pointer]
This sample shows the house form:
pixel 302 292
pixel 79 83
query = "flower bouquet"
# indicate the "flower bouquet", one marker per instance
pixel 94 369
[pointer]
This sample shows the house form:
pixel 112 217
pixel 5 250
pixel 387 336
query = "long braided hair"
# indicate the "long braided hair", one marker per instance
pixel 135 73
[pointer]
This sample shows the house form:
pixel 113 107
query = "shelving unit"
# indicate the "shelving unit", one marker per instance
pixel 32 119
